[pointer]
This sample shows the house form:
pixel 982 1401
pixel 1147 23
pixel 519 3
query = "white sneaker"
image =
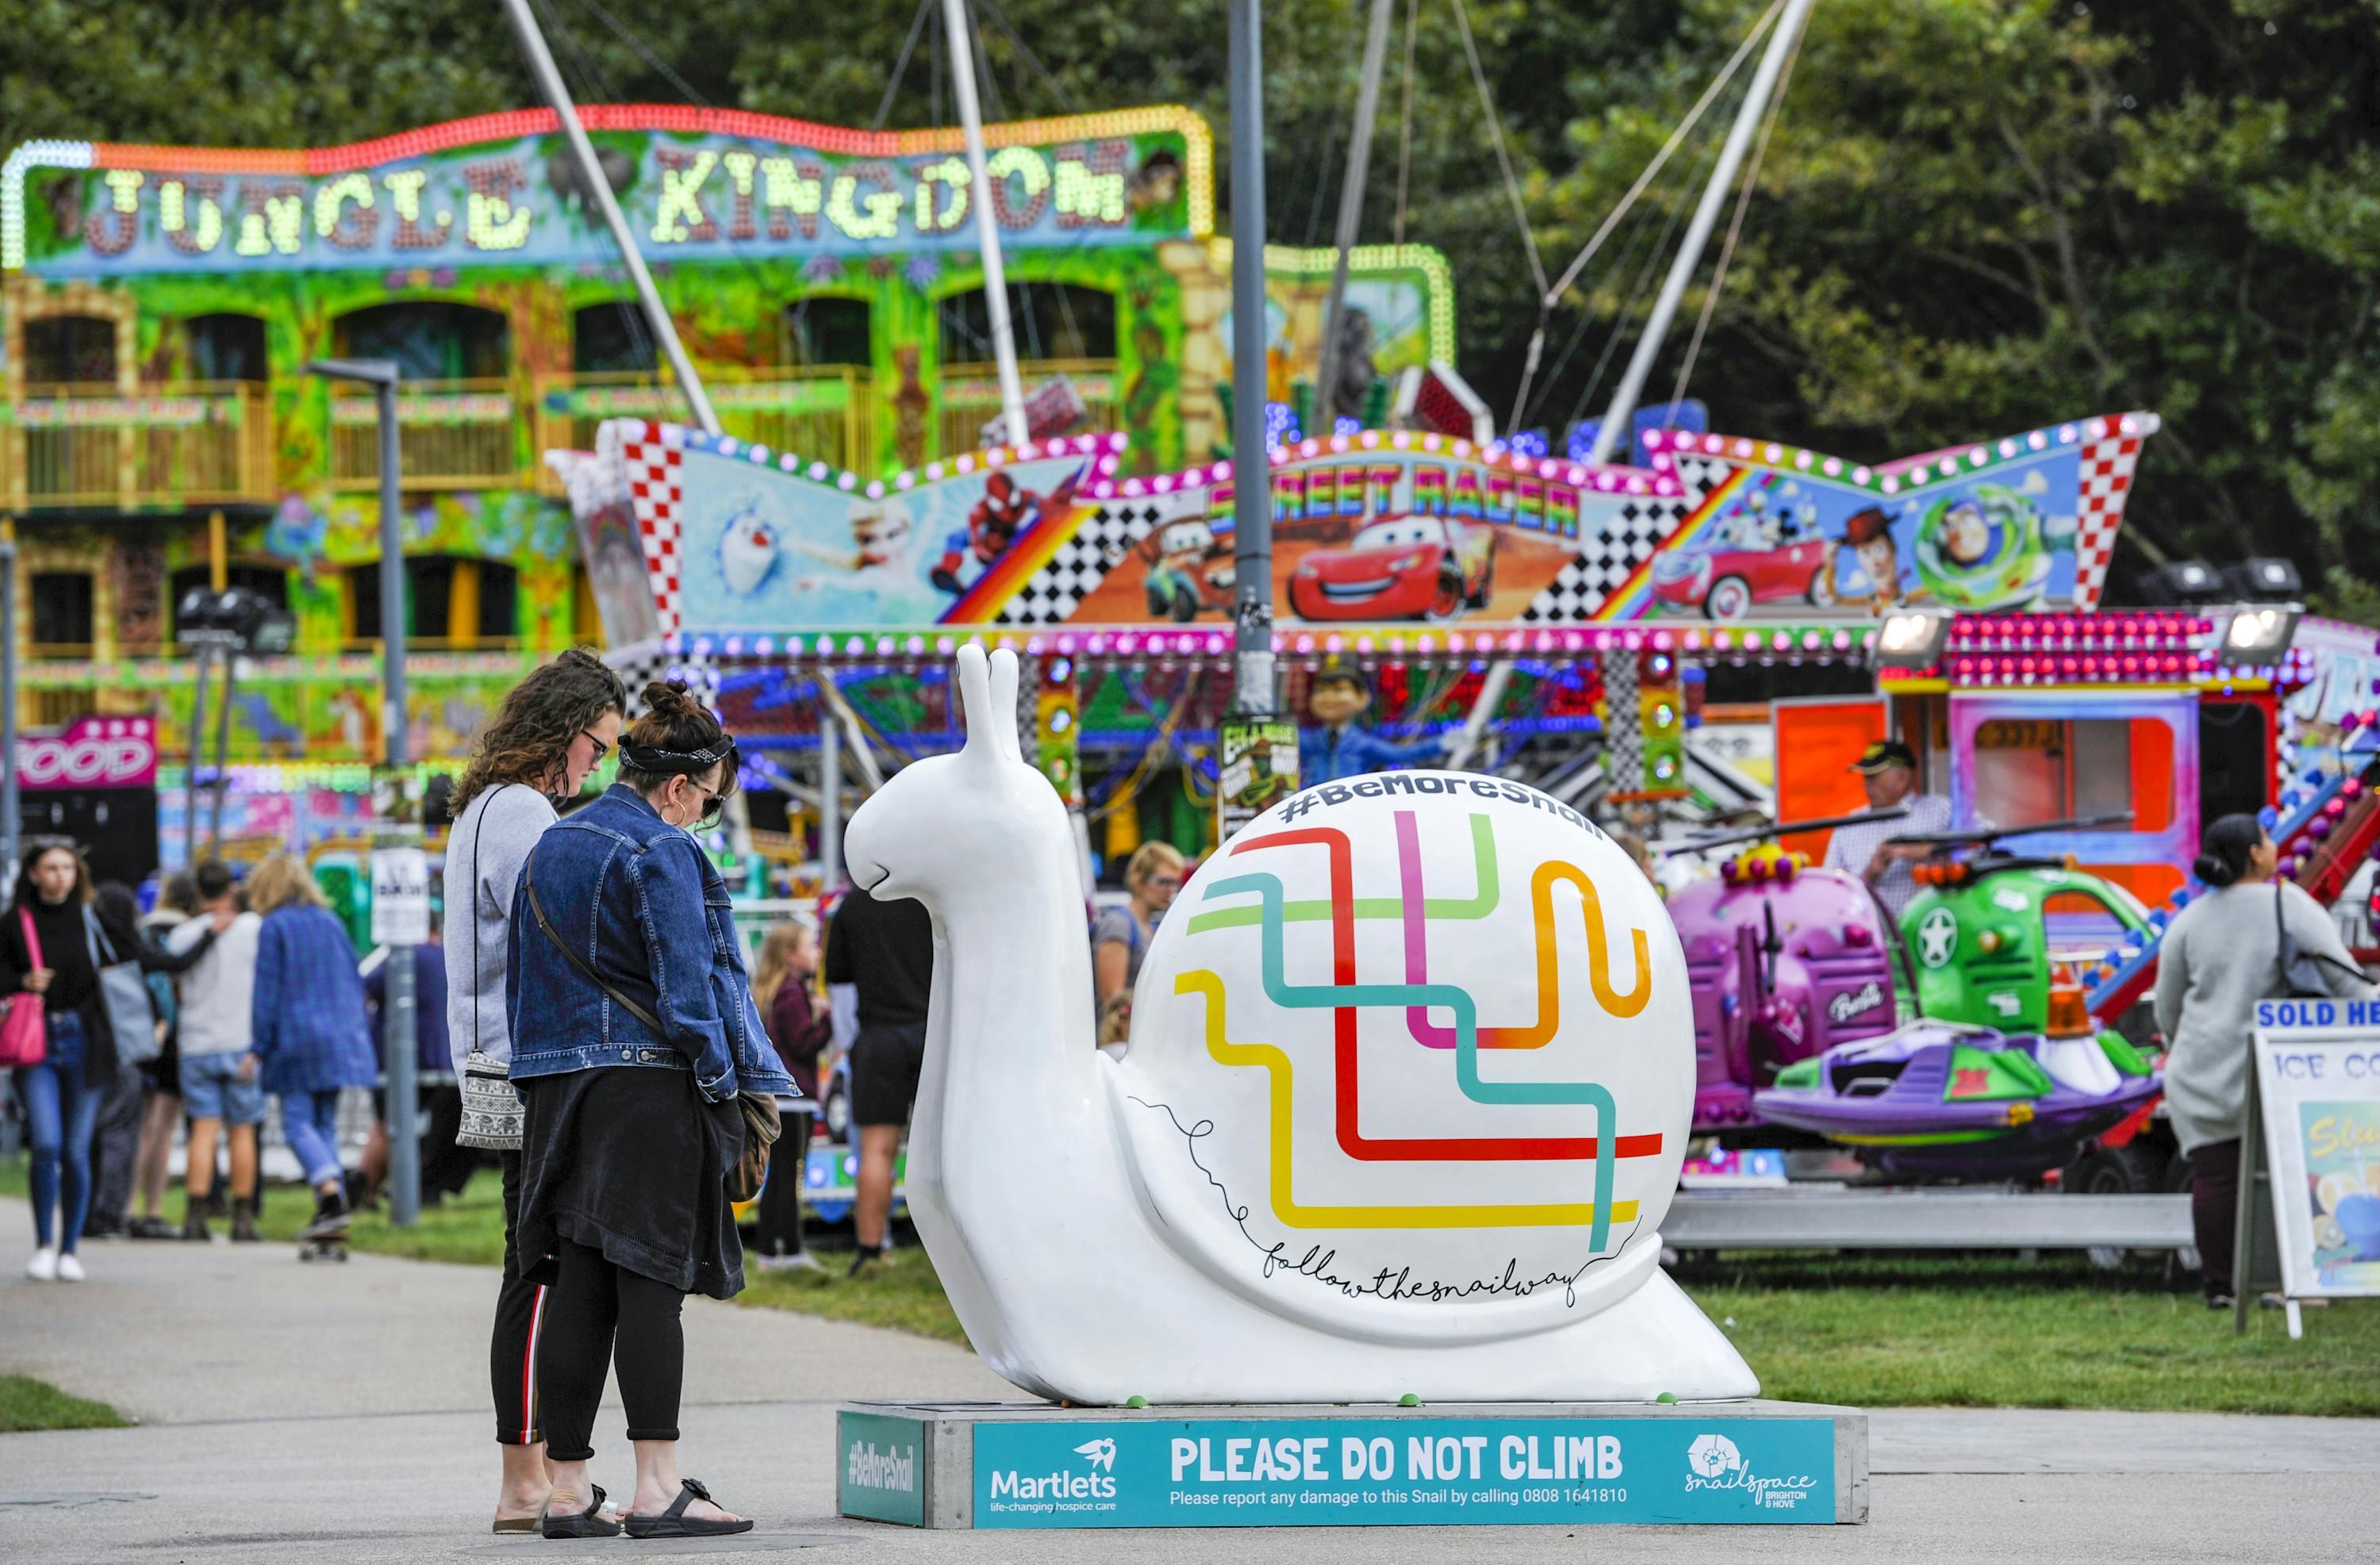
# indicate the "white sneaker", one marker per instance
pixel 44 1266
pixel 69 1269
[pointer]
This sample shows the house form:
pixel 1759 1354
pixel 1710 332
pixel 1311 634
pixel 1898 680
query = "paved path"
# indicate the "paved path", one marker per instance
pixel 296 1414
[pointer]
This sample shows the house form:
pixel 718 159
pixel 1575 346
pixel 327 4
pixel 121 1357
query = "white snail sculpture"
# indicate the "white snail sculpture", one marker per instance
pixel 1408 1088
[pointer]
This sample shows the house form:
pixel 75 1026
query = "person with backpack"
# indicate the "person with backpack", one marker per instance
pixel 2248 938
pixel 161 1112
pixel 1119 935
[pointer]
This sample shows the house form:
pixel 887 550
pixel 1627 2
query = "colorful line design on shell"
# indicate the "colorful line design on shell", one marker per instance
pixel 1464 909
pixel 1281 1075
pixel 1541 899
pixel 1344 996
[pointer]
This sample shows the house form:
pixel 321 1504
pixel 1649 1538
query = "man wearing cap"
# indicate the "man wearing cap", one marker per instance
pixel 1888 770
pixel 1337 699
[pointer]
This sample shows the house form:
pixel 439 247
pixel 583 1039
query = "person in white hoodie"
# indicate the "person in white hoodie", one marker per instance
pixel 554 728
pixel 220 1090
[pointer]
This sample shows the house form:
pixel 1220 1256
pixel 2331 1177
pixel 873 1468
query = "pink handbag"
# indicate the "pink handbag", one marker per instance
pixel 24 1035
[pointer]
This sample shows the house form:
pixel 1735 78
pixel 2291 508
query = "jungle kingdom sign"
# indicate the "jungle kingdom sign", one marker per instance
pixel 694 184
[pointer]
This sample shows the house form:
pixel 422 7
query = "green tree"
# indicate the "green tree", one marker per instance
pixel 1975 216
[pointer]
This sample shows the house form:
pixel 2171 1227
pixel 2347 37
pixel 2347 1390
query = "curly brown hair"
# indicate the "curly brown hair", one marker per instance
pixel 531 733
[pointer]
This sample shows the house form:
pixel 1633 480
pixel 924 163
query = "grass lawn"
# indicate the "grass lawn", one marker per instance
pixel 27 1404
pixel 1982 1330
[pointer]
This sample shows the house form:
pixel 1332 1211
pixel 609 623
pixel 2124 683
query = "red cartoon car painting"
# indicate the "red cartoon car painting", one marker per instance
pixel 1406 567
pixel 1725 584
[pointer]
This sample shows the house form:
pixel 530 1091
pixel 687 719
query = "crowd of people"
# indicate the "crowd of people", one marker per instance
pixel 127 1029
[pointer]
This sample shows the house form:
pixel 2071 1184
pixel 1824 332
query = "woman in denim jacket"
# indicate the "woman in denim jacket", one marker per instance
pixel 633 1032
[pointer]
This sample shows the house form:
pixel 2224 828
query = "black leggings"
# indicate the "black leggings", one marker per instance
pixel 512 1347
pixel 595 1312
pixel 2214 1213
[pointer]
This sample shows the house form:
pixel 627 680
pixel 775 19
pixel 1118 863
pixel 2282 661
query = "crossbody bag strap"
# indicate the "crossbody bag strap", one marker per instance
pixel 486 806
pixel 528 878
pixel 95 935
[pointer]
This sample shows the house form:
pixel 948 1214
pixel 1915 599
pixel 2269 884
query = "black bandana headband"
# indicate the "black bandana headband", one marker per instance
pixel 689 763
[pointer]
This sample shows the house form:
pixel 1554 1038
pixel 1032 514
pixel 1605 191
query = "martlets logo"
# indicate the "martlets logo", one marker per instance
pixel 1714 1462
pixel 1060 1489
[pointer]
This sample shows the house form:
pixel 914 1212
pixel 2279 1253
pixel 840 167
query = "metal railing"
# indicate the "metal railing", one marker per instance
pixel 450 434
pixel 820 415
pixel 91 443
pixel 971 397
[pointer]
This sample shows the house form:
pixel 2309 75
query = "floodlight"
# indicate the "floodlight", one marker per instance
pixel 1912 640
pixel 2259 634
pixel 2183 581
pixel 2265 581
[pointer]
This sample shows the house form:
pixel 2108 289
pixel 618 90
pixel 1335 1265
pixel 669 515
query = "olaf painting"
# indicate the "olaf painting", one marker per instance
pixel 1406 1097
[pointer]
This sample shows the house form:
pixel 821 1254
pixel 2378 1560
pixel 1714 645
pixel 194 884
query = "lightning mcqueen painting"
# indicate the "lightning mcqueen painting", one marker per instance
pixel 1406 567
pixel 1725 584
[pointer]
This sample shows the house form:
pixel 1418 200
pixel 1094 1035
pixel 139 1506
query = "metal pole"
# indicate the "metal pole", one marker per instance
pixel 10 824
pixel 397 1005
pixel 960 33
pixel 198 748
pixel 830 795
pixel 223 750
pixel 1252 684
pixel 1690 253
pixel 391 586
pixel 1351 207
pixel 599 190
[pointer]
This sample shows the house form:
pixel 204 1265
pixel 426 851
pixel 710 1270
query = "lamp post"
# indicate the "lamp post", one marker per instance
pixel 223 627
pixel 397 841
pixel 10 823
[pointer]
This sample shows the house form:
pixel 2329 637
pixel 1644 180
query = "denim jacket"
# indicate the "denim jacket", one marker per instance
pixel 642 905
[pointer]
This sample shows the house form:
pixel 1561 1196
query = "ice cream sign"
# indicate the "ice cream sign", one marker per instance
pixel 91 752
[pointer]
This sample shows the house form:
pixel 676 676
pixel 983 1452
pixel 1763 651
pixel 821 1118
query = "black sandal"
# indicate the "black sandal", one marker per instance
pixel 587 1524
pixel 674 1523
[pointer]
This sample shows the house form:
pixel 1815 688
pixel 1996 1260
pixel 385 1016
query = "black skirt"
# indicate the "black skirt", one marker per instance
pixel 630 1160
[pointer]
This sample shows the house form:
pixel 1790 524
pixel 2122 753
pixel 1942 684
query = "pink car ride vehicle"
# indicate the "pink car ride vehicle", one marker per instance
pixel 1404 567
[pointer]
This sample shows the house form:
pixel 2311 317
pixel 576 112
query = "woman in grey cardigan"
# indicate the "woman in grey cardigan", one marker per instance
pixel 552 729
pixel 2221 956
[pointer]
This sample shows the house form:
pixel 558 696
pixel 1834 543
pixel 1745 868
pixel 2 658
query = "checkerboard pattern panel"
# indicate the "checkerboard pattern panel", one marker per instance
pixel 654 455
pixel 1106 535
pixel 639 665
pixel 2106 484
pixel 1606 562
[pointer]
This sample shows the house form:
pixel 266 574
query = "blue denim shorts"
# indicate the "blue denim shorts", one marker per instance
pixel 212 1089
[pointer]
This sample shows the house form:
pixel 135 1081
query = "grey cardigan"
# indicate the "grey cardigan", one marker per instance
pixel 2218 958
pixel 500 826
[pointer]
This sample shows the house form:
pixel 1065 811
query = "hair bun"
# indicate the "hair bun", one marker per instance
pixel 2214 871
pixel 669 699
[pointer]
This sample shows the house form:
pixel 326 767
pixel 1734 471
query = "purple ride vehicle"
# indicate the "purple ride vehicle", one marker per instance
pixel 1785 961
pixel 1951 1097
